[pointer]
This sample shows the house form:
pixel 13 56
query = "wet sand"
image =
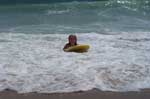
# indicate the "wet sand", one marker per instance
pixel 92 94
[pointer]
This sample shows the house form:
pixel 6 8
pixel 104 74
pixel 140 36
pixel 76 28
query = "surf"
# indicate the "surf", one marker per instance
pixel 37 63
pixel 32 37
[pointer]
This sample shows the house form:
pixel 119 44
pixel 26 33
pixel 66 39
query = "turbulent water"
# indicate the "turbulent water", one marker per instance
pixel 32 37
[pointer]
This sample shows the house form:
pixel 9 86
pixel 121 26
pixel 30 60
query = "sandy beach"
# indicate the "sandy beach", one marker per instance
pixel 92 94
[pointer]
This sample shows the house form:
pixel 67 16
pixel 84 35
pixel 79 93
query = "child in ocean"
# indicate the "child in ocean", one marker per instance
pixel 72 41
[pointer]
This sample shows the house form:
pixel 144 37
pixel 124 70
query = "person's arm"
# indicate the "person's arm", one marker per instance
pixel 66 46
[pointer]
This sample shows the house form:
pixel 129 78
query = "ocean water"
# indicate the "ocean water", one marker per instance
pixel 32 37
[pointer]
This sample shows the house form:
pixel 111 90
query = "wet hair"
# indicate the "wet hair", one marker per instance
pixel 70 36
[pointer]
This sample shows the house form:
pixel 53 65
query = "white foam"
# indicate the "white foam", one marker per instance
pixel 51 12
pixel 36 62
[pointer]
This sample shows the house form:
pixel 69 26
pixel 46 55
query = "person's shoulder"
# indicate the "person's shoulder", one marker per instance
pixel 66 46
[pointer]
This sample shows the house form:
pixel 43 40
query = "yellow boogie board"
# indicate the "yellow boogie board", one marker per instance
pixel 78 48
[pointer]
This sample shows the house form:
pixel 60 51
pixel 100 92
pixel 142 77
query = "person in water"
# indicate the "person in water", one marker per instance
pixel 72 39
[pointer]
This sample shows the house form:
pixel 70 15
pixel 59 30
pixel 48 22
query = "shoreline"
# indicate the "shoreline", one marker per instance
pixel 91 94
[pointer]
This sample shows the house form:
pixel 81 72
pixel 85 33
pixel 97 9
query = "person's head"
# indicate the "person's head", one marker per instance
pixel 72 39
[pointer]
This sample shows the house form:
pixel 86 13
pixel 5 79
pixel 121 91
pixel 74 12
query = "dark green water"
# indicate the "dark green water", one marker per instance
pixel 70 17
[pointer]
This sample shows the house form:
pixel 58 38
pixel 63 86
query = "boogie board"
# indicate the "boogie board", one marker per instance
pixel 78 48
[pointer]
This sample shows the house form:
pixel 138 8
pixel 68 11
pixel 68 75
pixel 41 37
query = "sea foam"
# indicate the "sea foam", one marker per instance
pixel 37 63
